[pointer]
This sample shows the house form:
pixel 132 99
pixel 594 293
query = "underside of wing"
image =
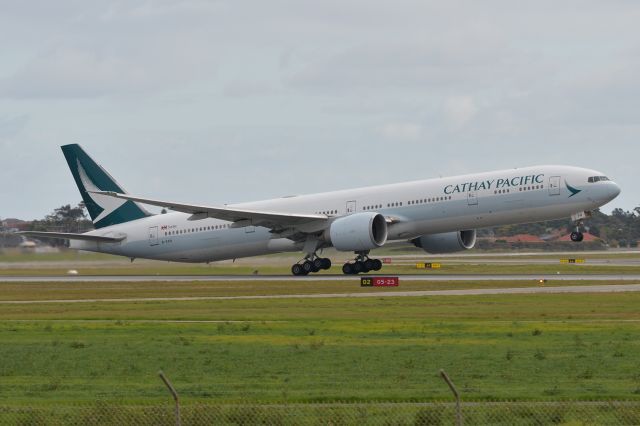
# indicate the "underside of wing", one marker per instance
pixel 274 220
pixel 71 236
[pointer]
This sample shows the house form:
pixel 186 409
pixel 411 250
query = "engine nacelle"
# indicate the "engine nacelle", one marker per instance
pixel 358 232
pixel 449 242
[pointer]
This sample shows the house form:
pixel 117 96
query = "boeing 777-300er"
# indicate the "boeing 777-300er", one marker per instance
pixel 437 215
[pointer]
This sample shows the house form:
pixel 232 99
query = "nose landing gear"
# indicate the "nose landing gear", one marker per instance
pixel 361 264
pixel 577 236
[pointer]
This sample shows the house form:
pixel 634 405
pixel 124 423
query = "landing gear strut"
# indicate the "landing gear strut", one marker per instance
pixel 311 263
pixel 361 264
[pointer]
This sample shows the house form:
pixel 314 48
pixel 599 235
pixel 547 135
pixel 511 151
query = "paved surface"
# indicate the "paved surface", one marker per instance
pixel 415 277
pixel 467 292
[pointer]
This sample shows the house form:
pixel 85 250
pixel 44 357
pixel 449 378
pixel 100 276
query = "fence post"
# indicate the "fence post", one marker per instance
pixel 174 394
pixel 457 396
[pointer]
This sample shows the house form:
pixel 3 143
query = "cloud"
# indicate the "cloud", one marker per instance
pixel 12 126
pixel 246 86
pixel 402 131
pixel 85 72
pixel 459 110
pixel 244 89
pixel 381 67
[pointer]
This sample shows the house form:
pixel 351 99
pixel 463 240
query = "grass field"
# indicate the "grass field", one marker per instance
pixel 226 269
pixel 78 290
pixel 519 347
pixel 17 256
pixel 509 347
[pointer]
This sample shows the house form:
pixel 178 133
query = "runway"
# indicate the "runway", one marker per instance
pixel 265 278
pixel 367 294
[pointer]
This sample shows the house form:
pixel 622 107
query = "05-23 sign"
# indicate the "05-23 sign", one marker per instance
pixel 379 282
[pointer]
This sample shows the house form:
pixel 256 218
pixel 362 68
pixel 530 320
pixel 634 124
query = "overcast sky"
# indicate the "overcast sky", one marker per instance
pixel 227 101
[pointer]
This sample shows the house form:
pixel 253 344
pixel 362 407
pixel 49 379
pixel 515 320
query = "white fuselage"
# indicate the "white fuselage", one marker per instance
pixel 417 208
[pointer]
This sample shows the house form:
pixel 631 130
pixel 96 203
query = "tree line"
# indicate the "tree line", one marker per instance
pixel 620 228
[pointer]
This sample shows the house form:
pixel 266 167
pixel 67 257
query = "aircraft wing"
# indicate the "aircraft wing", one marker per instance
pixel 240 217
pixel 70 236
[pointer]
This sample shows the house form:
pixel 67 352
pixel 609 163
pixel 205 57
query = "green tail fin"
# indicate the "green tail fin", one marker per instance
pixel 90 176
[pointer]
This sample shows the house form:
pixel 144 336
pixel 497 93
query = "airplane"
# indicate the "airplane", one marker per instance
pixel 438 215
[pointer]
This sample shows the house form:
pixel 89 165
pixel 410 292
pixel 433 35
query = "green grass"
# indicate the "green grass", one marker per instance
pixel 75 290
pixel 16 256
pixel 508 347
pixel 226 269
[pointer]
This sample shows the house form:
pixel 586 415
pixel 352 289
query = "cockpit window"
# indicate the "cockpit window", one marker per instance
pixel 594 179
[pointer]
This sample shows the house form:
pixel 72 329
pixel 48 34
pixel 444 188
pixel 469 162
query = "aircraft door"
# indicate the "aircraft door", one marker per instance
pixel 472 198
pixel 351 207
pixel 153 236
pixel 554 185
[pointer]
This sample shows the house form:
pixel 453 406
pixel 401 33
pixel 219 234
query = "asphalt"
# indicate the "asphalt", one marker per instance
pixel 322 277
pixel 426 293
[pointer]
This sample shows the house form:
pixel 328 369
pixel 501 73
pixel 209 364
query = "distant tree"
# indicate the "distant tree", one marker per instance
pixel 63 219
pixel 67 214
pixel 619 213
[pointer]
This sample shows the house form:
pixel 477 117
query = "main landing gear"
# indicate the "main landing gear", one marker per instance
pixel 361 264
pixel 310 264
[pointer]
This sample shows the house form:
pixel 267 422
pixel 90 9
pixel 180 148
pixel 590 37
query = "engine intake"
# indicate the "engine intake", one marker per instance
pixel 449 242
pixel 358 232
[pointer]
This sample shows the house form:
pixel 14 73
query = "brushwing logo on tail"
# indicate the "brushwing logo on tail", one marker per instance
pixel 106 203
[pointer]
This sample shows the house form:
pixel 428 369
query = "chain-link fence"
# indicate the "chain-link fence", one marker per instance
pixel 373 413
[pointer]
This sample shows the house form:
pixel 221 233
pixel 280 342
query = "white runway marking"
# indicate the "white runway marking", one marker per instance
pixel 462 292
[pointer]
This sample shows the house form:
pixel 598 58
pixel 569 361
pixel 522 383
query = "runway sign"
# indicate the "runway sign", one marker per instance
pixel 571 261
pixel 428 265
pixel 386 260
pixel 379 282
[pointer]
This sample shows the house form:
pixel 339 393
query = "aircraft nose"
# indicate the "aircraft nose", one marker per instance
pixel 610 191
pixel 615 190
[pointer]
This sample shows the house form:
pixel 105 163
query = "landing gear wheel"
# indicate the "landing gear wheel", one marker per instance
pixel 318 264
pixel 577 236
pixel 362 263
pixel 326 264
pixel 347 269
pixel 307 267
pixel 377 264
pixel 310 264
pixel 369 265
pixel 297 270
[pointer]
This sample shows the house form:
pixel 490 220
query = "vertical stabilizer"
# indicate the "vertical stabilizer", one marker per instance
pixel 90 176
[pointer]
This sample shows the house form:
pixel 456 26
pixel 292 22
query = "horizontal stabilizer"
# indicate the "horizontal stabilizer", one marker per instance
pixel 70 236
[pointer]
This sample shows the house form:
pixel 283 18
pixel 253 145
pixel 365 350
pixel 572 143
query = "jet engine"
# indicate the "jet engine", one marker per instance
pixel 449 242
pixel 358 232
